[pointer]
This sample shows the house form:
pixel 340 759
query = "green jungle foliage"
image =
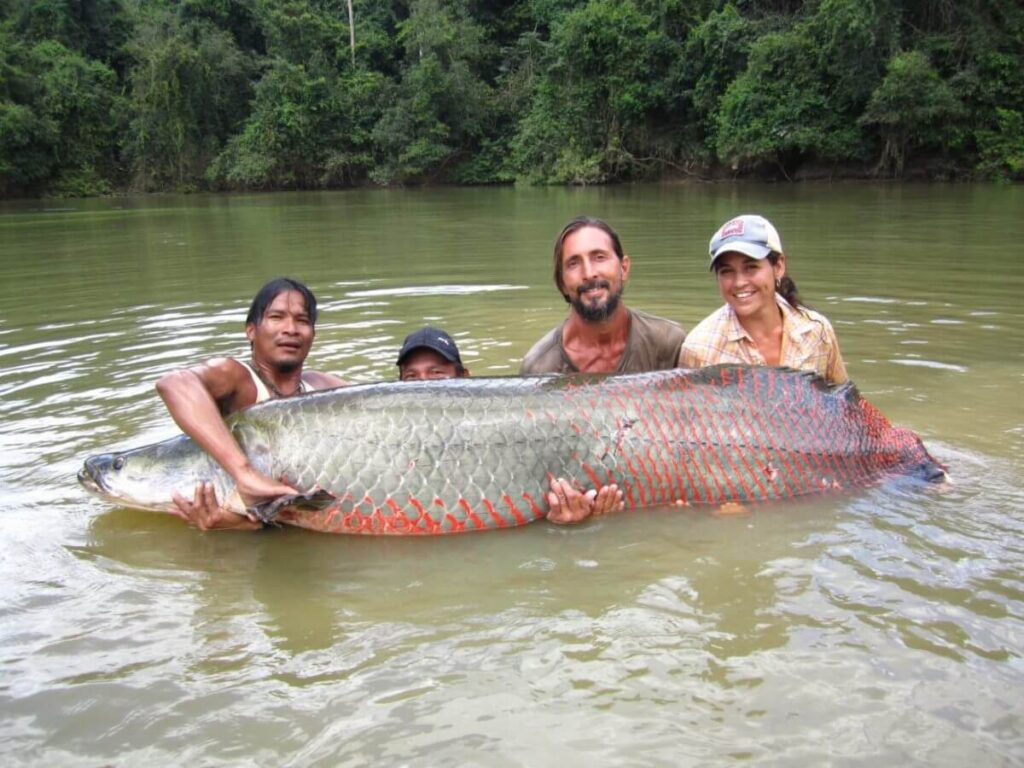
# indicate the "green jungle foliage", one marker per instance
pixel 98 96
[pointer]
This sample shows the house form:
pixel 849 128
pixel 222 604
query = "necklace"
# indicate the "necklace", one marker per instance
pixel 272 386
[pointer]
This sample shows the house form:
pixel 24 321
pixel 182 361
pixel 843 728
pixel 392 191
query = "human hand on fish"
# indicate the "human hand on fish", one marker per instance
pixel 608 499
pixel 206 513
pixel 567 505
pixel 253 486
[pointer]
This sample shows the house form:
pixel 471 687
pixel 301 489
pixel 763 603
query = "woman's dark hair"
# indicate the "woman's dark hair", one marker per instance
pixel 581 222
pixel 785 287
pixel 266 295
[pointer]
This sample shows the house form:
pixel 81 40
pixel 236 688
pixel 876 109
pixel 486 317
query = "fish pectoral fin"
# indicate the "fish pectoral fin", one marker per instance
pixel 267 511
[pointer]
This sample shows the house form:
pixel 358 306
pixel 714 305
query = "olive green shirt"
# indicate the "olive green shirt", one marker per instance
pixel 653 345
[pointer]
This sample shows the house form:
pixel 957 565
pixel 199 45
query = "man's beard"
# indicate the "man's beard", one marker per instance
pixel 596 313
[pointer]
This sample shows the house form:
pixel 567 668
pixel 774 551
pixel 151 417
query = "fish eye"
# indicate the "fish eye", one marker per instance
pixel 119 463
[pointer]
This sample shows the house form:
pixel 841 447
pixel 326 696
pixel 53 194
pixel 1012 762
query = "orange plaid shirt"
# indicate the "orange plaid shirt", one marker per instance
pixel 808 342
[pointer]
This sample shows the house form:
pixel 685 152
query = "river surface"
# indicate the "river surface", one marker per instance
pixel 882 627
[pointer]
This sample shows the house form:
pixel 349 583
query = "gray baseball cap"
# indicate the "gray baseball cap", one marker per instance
pixel 749 234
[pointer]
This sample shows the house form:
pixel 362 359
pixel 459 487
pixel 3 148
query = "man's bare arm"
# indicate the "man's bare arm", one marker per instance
pixel 191 396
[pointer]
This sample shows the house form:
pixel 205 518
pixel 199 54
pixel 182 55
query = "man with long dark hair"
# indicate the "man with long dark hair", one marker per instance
pixel 601 335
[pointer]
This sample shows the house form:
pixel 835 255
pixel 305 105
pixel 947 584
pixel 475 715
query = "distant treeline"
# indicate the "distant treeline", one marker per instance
pixel 99 96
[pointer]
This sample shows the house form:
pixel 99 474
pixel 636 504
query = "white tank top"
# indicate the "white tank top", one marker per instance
pixel 262 393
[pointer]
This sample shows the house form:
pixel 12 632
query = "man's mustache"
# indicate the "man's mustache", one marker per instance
pixel 591 285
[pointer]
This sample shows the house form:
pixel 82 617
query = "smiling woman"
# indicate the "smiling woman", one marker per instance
pixel 763 321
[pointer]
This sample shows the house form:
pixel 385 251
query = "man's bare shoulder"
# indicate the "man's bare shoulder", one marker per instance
pixel 224 379
pixel 218 374
pixel 317 380
pixel 228 366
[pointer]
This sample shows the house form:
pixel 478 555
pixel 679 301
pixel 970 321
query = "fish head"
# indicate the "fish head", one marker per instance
pixel 914 458
pixel 148 477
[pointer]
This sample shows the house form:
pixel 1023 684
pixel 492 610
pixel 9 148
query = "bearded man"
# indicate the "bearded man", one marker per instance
pixel 601 335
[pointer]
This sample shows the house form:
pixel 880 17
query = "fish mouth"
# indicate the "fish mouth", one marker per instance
pixel 86 481
pixel 90 476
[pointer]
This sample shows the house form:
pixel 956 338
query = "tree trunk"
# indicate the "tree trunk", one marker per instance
pixel 352 31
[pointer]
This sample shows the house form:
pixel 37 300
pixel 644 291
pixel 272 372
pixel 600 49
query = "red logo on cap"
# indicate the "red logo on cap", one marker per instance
pixel 730 228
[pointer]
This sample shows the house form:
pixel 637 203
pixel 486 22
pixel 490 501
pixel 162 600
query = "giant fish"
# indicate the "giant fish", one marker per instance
pixel 438 457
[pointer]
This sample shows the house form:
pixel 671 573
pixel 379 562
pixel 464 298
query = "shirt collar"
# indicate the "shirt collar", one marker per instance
pixel 794 323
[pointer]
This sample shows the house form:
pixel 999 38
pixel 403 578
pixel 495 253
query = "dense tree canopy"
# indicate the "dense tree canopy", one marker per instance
pixel 105 95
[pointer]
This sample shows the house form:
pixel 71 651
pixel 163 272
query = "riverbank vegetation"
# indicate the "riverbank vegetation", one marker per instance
pixel 98 96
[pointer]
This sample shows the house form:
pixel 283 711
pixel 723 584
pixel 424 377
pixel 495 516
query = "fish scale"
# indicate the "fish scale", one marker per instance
pixel 470 454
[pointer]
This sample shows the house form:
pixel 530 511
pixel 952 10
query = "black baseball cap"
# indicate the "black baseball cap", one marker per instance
pixel 431 338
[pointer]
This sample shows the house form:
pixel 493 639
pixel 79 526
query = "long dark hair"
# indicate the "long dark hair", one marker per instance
pixel 785 286
pixel 581 222
pixel 266 295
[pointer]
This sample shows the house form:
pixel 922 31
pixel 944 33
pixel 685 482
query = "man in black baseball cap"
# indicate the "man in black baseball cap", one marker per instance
pixel 430 353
